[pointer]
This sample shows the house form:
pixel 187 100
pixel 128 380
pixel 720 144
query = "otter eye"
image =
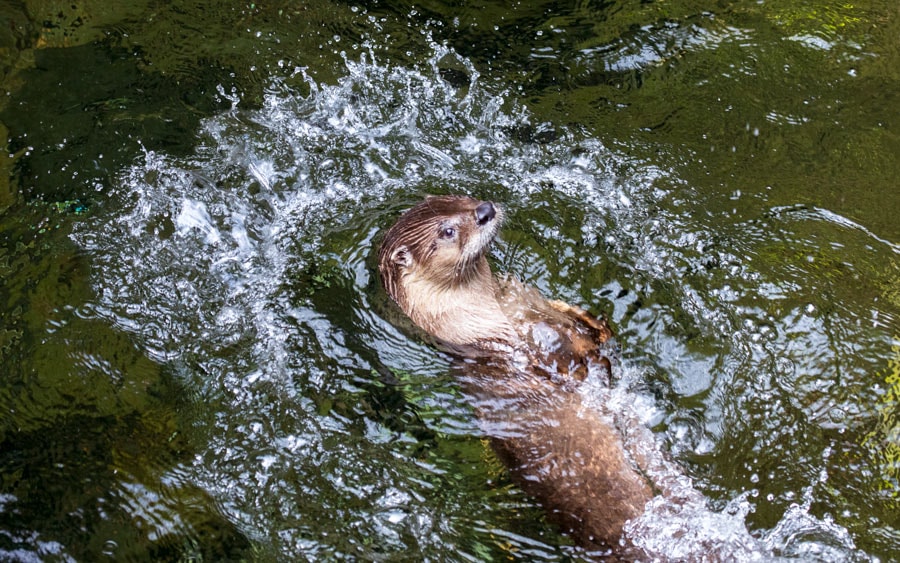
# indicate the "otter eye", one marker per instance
pixel 448 232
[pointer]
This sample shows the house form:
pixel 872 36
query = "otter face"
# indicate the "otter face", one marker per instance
pixel 440 242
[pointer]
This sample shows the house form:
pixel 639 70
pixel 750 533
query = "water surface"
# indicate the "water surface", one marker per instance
pixel 198 361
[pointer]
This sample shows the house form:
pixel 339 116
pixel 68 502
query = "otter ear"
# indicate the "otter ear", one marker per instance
pixel 401 257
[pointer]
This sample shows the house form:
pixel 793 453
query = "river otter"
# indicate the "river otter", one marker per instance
pixel 522 357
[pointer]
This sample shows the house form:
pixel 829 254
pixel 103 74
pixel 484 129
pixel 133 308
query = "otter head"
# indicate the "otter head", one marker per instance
pixel 436 248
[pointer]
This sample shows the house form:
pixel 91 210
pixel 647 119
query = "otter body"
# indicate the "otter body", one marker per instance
pixel 523 357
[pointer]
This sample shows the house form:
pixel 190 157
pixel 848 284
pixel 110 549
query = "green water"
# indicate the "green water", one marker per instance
pixel 196 361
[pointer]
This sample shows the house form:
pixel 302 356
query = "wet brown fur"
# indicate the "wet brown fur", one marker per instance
pixel 523 356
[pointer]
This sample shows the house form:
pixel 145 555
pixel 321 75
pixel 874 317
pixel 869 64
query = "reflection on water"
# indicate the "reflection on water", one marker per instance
pixel 328 432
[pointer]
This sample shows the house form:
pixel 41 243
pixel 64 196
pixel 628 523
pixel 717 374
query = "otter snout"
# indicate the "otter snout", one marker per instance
pixel 485 213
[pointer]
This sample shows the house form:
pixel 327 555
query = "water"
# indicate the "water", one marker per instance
pixel 209 369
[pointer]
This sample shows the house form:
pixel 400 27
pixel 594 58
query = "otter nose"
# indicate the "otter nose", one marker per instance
pixel 485 212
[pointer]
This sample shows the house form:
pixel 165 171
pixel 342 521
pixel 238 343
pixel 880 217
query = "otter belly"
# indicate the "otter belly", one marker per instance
pixel 561 341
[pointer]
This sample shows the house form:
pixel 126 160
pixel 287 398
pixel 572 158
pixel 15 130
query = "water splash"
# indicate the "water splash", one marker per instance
pixel 215 263
pixel 801 535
